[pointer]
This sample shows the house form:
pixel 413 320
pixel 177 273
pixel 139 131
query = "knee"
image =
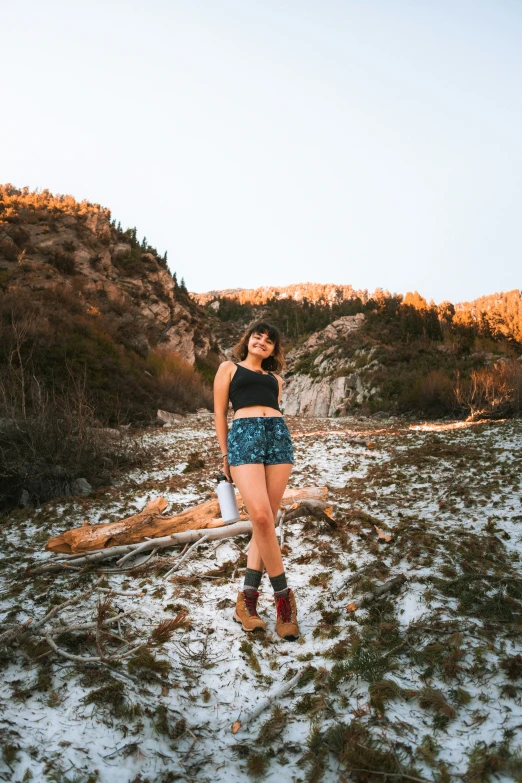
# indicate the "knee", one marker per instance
pixel 262 519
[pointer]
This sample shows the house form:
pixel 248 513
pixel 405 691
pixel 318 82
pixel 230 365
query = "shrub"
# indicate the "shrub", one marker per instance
pixel 432 393
pixel 63 262
pixel 48 439
pixel 179 384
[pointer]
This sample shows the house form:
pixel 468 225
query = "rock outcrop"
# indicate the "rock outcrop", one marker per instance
pixel 53 243
pixel 322 380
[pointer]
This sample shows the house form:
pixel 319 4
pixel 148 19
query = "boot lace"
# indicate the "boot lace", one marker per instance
pixel 284 609
pixel 251 603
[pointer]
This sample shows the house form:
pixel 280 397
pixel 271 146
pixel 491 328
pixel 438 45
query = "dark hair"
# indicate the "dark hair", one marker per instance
pixel 276 360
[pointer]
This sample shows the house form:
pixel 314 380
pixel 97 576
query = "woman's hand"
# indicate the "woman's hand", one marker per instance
pixel 226 470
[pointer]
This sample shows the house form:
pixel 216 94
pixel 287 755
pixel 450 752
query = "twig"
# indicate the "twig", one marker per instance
pixel 59 629
pixel 367 598
pixel 32 626
pixel 390 774
pixel 103 607
pixel 194 546
pixel 140 547
pixel 395 754
pixel 54 611
pixel 204 652
pixel 90 658
pixel 133 566
pixel 265 703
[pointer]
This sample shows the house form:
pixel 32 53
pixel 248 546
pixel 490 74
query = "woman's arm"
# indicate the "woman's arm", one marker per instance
pixel 221 394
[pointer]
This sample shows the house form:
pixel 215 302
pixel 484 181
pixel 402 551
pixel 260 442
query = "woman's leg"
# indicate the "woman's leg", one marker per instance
pixel 251 481
pixel 254 483
pixel 276 477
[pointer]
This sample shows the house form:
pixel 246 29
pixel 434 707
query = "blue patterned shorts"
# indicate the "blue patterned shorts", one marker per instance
pixel 259 439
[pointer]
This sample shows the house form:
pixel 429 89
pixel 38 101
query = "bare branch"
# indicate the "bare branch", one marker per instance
pixel 266 703
pixel 185 556
pixel 367 598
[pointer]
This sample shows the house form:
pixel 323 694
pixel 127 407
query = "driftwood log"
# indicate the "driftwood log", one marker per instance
pixel 150 523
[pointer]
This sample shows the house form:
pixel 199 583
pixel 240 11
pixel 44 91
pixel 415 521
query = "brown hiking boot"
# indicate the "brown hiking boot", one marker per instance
pixel 286 619
pixel 246 612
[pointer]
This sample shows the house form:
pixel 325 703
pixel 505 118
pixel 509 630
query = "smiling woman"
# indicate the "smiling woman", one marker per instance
pixel 259 460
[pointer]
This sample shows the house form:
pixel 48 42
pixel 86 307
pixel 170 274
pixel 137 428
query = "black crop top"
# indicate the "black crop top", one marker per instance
pixel 249 387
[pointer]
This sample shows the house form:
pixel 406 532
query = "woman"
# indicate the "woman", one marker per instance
pixel 259 461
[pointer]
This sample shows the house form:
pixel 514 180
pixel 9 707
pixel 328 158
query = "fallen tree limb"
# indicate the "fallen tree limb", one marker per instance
pixel 318 509
pixel 367 598
pixel 150 523
pixel 225 531
pixel 268 702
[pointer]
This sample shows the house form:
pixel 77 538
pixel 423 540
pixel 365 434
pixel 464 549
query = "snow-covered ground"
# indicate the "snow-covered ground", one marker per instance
pixel 424 683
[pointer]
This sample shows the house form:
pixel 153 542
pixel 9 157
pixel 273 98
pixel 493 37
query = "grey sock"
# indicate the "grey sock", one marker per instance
pixel 279 583
pixel 252 580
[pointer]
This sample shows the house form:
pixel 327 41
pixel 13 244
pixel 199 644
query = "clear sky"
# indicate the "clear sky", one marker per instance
pixel 268 142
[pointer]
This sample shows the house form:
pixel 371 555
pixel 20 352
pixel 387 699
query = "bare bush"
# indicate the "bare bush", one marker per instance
pixel 491 391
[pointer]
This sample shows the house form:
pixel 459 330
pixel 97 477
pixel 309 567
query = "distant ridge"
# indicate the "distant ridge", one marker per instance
pixel 503 309
pixel 329 293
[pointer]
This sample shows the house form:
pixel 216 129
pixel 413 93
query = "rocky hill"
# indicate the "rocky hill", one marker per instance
pixel 83 291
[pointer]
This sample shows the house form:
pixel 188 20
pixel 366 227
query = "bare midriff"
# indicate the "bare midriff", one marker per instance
pixel 256 410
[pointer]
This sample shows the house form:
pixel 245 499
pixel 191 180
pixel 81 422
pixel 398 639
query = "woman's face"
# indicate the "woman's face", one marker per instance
pixel 260 345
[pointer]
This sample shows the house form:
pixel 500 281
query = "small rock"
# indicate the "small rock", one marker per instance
pixel 6 424
pixel 25 499
pixel 168 418
pixel 81 486
pixel 105 433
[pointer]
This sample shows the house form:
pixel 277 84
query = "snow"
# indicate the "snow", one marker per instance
pixel 211 682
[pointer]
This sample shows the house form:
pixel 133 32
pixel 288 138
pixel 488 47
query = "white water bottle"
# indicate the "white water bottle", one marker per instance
pixel 227 500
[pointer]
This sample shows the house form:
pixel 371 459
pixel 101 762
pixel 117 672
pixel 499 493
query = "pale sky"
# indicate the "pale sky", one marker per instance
pixel 269 142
